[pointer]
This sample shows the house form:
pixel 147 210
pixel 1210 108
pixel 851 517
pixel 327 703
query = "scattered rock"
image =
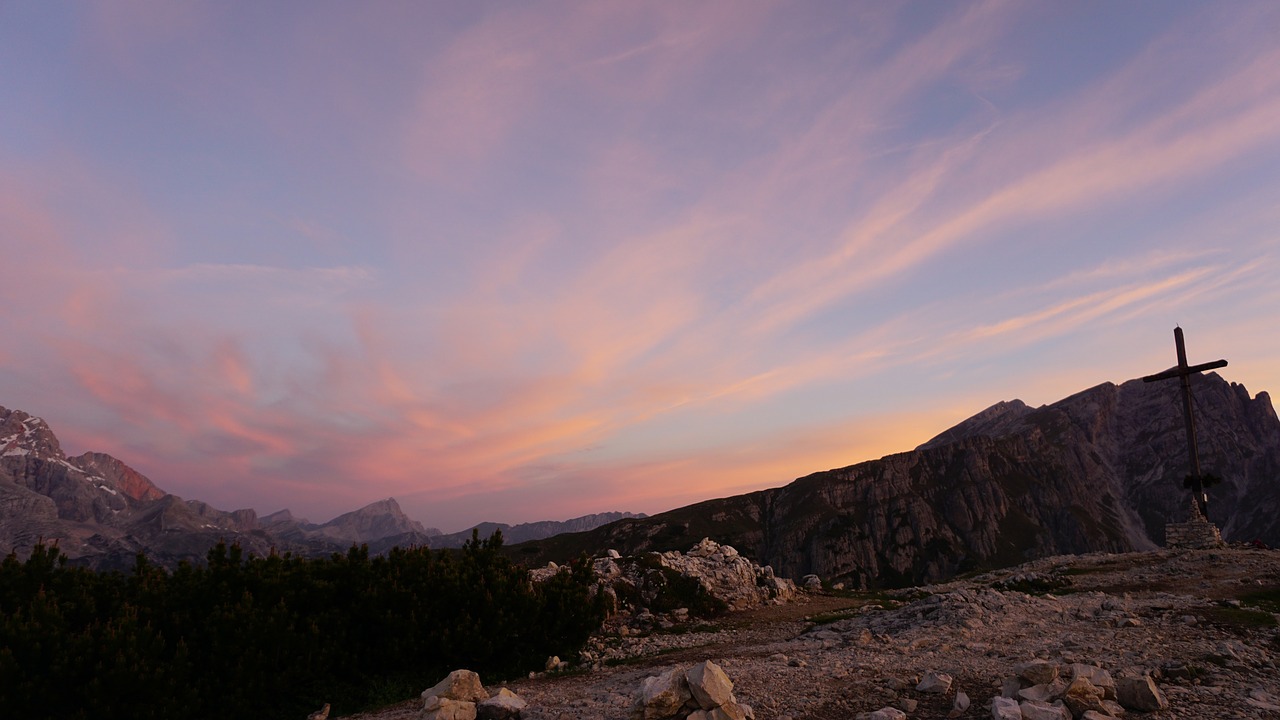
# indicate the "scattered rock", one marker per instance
pixel 461 685
pixel 935 682
pixel 661 696
pixel 504 705
pixel 461 696
pixel 1003 708
pixel 702 692
pixel 1037 673
pixel 709 685
pixel 884 713
pixel 443 708
pixel 1140 694
pixel 1037 710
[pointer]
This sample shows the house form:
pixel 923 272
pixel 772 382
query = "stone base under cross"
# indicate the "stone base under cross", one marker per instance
pixel 1195 534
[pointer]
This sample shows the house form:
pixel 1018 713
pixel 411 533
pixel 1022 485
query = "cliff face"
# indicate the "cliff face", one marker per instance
pixel 1101 470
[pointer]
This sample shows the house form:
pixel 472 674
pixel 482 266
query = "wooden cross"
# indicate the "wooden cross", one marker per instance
pixel 1199 500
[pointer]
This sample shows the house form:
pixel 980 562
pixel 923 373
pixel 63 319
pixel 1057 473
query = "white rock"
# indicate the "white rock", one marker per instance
pixel 661 696
pixel 462 685
pixel 934 682
pixel 504 705
pixel 1037 710
pixel 443 708
pixel 709 685
pixel 1003 708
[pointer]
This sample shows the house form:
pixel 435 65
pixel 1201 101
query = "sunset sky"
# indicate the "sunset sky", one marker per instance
pixel 531 260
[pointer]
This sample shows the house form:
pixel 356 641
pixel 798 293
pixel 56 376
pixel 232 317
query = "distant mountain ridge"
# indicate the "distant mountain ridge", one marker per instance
pixel 102 513
pixel 1100 470
pixel 524 532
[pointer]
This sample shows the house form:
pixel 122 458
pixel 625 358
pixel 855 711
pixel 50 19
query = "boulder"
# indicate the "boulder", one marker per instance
pixel 461 685
pixel 661 696
pixel 1140 694
pixel 935 682
pixel 1097 677
pixel 709 685
pixel 1037 710
pixel 504 705
pixel 1037 673
pixel 442 708
pixel 1043 693
pixel 1003 708
pixel 728 711
pixel 1081 696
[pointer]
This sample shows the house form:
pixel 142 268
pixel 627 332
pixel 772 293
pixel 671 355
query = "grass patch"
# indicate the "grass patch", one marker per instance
pixel 1268 599
pixel 686 628
pixel 1247 618
pixel 1087 570
pixel 643 659
pixel 826 618
pixel 881 600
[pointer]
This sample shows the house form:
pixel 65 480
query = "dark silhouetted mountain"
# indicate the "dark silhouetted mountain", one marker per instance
pixel 532 531
pixel 1101 470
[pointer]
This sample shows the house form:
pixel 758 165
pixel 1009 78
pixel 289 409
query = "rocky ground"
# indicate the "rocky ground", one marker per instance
pixel 1200 622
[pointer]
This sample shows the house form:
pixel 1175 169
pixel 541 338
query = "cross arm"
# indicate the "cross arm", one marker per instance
pixel 1176 371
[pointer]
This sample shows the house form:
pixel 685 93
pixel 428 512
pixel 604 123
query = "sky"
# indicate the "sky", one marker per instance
pixel 528 261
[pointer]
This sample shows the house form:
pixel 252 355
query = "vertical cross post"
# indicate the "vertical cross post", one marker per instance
pixel 1200 500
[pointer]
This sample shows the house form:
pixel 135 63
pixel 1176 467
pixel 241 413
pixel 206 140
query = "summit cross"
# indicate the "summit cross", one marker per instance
pixel 1199 500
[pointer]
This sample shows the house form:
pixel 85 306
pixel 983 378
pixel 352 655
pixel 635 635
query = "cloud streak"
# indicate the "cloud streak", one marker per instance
pixel 517 263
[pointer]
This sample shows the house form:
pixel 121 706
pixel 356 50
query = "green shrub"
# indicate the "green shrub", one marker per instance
pixel 274 636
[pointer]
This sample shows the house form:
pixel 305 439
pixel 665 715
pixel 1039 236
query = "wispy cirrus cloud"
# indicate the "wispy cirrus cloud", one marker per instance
pixel 551 256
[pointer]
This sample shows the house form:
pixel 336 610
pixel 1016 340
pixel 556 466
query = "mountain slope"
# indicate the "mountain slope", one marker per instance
pixel 1099 471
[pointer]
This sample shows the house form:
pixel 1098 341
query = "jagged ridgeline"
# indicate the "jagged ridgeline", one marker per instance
pixel 1101 470
pixel 274 637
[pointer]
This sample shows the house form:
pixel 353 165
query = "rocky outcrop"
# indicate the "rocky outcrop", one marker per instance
pixel 1101 470
pixel 702 692
pixel 728 576
pixel 662 589
pixel 461 696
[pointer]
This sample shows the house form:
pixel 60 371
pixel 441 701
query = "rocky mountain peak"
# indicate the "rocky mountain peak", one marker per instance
pixel 992 421
pixel 374 521
pixel 117 475
pixel 22 435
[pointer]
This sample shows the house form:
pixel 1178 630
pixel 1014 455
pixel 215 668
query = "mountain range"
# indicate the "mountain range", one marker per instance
pixel 102 512
pixel 1101 470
